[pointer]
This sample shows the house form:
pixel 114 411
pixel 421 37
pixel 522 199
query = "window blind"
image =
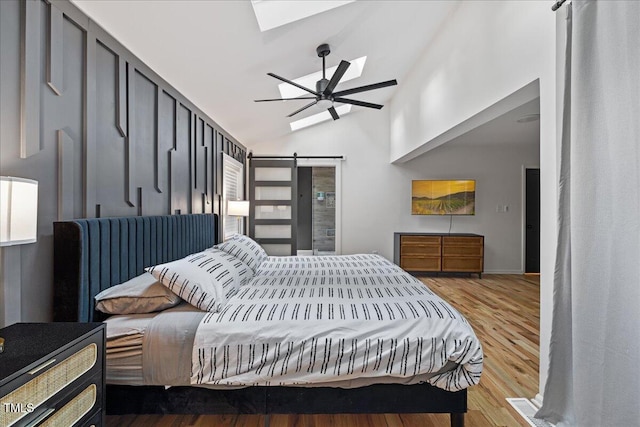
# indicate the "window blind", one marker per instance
pixel 232 189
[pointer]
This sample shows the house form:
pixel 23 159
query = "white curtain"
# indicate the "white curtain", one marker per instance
pixel 594 371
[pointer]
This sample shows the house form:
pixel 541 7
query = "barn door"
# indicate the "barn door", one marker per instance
pixel 272 189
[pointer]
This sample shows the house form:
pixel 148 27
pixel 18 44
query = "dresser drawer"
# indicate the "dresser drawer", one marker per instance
pixel 462 241
pixel 420 263
pixel 462 265
pixel 421 240
pixel 474 251
pixel 426 250
pixel 79 407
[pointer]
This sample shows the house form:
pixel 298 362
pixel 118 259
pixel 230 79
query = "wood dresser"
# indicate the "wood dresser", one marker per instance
pixel 52 374
pixel 439 252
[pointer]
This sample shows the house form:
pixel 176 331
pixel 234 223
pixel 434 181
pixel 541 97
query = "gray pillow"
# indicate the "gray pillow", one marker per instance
pixel 142 294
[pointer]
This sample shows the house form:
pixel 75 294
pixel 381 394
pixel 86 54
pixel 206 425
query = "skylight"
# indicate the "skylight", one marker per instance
pixel 320 117
pixel 354 71
pixel 275 13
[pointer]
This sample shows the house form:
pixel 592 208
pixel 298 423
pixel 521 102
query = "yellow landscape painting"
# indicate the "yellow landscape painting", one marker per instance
pixel 440 197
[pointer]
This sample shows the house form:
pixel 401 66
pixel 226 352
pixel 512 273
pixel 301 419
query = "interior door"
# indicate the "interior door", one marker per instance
pixel 532 221
pixel 273 188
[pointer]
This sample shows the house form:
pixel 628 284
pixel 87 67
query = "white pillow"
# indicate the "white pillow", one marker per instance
pixel 245 249
pixel 206 279
pixel 142 294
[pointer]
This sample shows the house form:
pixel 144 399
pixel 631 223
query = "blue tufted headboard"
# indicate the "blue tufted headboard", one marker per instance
pixel 91 255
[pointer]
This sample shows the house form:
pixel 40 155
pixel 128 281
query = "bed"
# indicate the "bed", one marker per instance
pixel 95 254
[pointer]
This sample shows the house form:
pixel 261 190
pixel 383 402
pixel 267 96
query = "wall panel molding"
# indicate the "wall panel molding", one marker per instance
pixel 199 167
pixel 72 13
pixel 55 51
pixel 66 186
pixel 90 183
pixel 139 202
pixel 130 137
pixel 121 96
pixel 157 149
pixel 30 54
pixel 210 147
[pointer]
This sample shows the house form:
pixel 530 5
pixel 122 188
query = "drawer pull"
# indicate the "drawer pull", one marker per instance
pixel 42 416
pixel 41 367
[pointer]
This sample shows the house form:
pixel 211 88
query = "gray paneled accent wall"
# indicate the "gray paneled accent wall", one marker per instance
pixel 99 130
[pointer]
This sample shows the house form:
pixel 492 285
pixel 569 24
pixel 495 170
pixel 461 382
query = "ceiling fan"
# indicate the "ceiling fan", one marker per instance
pixel 324 96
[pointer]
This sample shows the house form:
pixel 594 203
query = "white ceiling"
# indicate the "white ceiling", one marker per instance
pixel 215 54
pixel 506 129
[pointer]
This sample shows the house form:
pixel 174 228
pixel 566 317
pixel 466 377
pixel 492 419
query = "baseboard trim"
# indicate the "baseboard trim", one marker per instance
pixel 502 272
pixel 527 410
pixel 537 400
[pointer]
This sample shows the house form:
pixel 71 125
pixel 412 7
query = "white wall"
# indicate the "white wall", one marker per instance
pixel 486 52
pixel 497 170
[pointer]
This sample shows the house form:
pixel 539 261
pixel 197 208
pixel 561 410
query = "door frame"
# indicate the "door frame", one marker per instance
pixel 337 165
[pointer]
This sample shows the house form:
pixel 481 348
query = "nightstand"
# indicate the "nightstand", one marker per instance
pixel 52 374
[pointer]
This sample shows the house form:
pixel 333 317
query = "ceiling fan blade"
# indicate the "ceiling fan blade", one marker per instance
pixel 284 99
pixel 335 79
pixel 359 103
pixel 366 88
pixel 303 108
pixel 333 113
pixel 293 83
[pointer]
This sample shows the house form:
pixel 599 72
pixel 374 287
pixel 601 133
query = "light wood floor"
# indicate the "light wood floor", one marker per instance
pixel 504 311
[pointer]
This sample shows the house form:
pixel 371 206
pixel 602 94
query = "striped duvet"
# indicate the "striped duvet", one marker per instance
pixel 320 320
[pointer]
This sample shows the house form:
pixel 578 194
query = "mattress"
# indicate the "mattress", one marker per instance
pixel 125 335
pixel 153 348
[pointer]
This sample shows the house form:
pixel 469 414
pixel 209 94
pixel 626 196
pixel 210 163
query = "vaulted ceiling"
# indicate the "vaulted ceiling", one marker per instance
pixel 216 55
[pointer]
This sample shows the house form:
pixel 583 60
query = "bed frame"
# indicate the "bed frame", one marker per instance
pixel 91 255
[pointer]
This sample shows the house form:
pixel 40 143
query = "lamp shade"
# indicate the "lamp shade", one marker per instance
pixel 238 208
pixel 18 211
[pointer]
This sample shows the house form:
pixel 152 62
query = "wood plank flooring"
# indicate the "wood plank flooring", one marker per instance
pixel 504 311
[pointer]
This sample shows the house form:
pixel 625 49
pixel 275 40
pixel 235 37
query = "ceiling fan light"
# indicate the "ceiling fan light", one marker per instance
pixel 325 104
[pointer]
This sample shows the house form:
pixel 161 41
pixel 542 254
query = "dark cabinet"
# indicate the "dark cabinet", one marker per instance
pixel 52 374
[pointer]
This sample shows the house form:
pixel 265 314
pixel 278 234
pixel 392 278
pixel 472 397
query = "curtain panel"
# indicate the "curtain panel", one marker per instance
pixel 595 336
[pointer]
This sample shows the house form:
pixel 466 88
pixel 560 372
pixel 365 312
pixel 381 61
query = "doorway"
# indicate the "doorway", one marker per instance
pixel 316 231
pixel 275 198
pixel 532 221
